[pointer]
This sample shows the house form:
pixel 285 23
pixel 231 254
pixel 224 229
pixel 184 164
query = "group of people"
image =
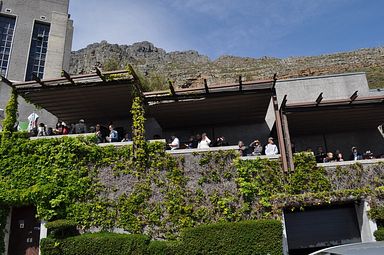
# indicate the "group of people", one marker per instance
pixel 322 157
pixel 102 134
pixel 256 149
pixel 203 142
pixel 199 141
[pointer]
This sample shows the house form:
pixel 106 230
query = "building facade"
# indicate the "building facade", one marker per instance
pixel 35 41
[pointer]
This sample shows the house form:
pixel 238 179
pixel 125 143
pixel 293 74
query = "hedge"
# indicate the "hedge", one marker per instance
pixel 379 234
pixel 96 243
pixel 164 247
pixel 246 237
pixel 61 228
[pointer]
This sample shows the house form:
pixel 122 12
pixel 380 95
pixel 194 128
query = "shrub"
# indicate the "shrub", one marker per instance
pixel 97 243
pixel 163 247
pixel 379 234
pixel 61 228
pixel 247 237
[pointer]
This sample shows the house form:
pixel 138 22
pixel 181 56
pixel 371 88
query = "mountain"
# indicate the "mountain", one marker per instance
pixel 189 68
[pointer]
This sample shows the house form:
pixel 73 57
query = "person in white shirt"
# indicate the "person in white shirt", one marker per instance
pixel 204 143
pixel 271 148
pixel 32 121
pixel 175 144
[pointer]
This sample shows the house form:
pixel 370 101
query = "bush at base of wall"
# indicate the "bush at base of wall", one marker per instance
pixel 379 234
pixel 247 237
pixel 96 243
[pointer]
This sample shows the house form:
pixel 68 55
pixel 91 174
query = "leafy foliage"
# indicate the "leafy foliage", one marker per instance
pixel 138 132
pixel 379 234
pixel 10 114
pixel 247 237
pixel 61 228
pixel 97 243
pixel 159 194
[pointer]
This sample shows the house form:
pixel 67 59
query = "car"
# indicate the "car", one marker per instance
pixel 371 248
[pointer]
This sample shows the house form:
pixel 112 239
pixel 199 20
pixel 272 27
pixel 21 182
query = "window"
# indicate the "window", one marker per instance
pixel 38 51
pixel 7 28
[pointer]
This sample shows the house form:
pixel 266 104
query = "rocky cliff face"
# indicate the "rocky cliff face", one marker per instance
pixel 189 68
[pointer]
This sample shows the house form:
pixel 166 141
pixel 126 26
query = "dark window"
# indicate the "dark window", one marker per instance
pixel 7 26
pixel 37 52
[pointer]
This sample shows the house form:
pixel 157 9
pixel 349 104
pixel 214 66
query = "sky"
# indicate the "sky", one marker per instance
pixel 246 28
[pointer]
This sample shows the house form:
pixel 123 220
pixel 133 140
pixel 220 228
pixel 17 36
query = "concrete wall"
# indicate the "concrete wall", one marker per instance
pixel 26 13
pixel 7 231
pixel 367 226
pixel 337 86
pixel 333 87
pixel 57 45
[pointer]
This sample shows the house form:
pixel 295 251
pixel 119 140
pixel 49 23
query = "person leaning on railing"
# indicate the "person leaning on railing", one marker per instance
pixel 271 148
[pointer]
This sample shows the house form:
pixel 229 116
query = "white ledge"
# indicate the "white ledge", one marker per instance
pixel 190 151
pixel 351 162
pixel 118 144
pixel 60 136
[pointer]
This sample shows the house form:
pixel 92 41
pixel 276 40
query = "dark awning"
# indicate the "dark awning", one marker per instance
pixel 93 97
pixel 229 104
pixel 104 97
pixel 332 116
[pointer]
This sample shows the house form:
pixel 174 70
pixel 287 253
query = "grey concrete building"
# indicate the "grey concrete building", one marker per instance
pixel 35 41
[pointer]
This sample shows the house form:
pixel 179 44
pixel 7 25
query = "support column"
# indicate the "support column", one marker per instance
pixel 280 134
pixel 7 231
pixel 287 138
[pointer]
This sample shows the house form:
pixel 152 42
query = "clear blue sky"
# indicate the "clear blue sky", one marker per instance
pixel 253 28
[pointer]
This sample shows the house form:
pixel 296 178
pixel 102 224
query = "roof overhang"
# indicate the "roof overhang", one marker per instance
pixel 95 97
pixel 104 97
pixel 333 116
pixel 231 104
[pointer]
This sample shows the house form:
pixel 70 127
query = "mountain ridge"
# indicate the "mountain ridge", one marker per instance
pixel 190 68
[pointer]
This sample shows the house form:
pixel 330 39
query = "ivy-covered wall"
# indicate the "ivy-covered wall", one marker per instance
pixel 142 189
pixel 158 195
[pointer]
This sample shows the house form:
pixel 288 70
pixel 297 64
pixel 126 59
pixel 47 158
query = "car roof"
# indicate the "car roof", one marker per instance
pixel 371 248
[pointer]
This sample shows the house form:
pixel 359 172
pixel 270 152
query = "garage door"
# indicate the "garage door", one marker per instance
pixel 321 227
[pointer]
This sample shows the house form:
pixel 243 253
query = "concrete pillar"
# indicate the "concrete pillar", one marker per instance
pixel 285 238
pixel 7 231
pixel 43 232
pixel 367 226
pixel 56 45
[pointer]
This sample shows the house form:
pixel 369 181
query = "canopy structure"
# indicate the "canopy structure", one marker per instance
pixel 108 96
pixel 332 116
pixel 240 103
pixel 96 97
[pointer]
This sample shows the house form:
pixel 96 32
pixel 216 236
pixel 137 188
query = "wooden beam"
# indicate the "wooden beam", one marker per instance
pixel 206 86
pixel 288 142
pixel 353 97
pixel 68 77
pixel 240 84
pixel 98 72
pixel 137 83
pixel 274 81
pixel 280 134
pixel 319 98
pixel 172 89
pixel 284 102
pixel 38 80
pixel 6 81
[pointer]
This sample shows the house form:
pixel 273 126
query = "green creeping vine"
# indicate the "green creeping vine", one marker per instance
pixel 10 115
pixel 148 191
